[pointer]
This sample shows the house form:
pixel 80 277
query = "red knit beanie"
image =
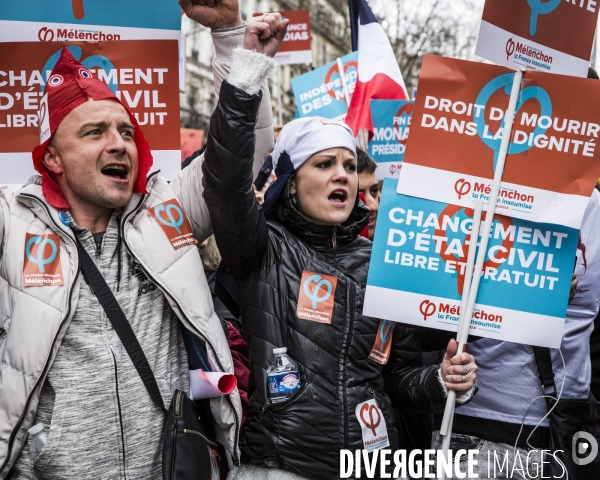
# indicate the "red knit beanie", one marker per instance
pixel 70 85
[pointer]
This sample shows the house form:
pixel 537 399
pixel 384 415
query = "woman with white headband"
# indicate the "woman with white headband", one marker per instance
pixel 301 269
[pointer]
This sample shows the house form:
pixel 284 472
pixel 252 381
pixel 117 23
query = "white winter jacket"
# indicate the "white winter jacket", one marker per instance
pixel 33 320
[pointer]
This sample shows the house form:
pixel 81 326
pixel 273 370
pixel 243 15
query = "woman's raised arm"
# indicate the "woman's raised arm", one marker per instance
pixel 238 222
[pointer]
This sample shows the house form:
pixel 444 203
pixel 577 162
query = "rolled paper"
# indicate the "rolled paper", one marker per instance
pixel 210 384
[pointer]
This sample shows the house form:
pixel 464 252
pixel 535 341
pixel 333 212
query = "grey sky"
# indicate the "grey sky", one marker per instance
pixel 467 11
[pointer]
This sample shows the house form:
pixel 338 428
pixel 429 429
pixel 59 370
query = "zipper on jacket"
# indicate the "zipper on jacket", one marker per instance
pixel 372 391
pixel 334 239
pixel 264 408
pixel 345 354
pixel 120 412
pixel 178 403
pixel 196 331
pixel 13 434
pixel 283 404
pixel 334 246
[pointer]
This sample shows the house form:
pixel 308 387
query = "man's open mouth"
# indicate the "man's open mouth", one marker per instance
pixel 116 171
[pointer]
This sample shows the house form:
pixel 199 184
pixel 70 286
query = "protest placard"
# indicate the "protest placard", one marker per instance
pixel 391 124
pixel 419 258
pixel 550 36
pixel 40 20
pixel 296 44
pixel 295 47
pixel 320 92
pixel 144 75
pixel 552 163
pixel 85 20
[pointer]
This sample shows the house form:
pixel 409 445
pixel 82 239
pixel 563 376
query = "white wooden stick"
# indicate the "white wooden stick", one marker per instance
pixel 463 323
pixel 485 235
pixel 343 79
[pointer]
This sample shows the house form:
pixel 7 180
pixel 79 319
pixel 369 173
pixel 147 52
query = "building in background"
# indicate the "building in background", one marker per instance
pixel 330 39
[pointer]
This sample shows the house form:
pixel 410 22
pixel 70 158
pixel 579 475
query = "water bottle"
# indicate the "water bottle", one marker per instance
pixel 283 377
pixel 38 440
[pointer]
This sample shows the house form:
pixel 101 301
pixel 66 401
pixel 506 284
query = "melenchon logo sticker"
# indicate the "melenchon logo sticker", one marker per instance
pixel 174 223
pixel 41 265
pixel 315 300
pixel 383 342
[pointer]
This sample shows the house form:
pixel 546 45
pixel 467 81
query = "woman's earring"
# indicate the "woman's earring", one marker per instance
pixel 294 201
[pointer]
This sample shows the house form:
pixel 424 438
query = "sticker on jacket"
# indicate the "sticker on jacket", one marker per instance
pixel 315 300
pixel 383 342
pixel 174 223
pixel 41 265
pixel 374 429
pixel 214 463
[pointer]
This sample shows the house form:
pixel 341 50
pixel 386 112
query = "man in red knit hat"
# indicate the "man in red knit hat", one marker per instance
pixel 72 404
pixel 99 156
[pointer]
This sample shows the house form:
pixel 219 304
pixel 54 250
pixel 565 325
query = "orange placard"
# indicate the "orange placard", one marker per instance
pixel 173 221
pixel 547 35
pixel 143 74
pixel 297 37
pixel 553 160
pixel 316 297
pixel 41 262
pixel 568 27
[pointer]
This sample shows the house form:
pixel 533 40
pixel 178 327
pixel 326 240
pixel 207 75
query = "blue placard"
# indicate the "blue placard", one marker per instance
pixel 418 261
pixel 319 92
pixel 391 125
pixel 157 14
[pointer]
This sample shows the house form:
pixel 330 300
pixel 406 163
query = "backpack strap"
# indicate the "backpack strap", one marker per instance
pixel 544 365
pixel 117 318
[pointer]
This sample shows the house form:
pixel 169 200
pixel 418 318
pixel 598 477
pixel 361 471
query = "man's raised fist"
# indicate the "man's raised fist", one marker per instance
pixel 214 14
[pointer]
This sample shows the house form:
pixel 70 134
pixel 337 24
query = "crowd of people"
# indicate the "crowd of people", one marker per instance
pixel 218 287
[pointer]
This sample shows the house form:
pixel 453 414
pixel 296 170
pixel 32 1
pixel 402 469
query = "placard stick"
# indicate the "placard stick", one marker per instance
pixel 343 79
pixel 362 139
pixel 473 239
pixel 463 322
pixel 485 235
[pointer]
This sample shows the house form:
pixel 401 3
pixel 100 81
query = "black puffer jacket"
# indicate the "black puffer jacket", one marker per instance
pixel 305 433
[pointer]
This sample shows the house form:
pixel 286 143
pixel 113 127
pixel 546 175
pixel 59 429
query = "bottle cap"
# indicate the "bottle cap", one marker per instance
pixel 279 351
pixel 36 429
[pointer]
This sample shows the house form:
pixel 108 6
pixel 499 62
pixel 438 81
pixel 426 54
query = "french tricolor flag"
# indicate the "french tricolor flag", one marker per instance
pixel 379 75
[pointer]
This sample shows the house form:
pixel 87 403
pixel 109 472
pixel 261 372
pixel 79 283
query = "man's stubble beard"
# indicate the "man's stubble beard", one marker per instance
pixel 98 197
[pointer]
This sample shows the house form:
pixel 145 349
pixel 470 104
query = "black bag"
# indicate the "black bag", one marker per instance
pixel 569 418
pixel 188 453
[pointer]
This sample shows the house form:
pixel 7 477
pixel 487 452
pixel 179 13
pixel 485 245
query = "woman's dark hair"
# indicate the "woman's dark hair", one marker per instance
pixel 364 163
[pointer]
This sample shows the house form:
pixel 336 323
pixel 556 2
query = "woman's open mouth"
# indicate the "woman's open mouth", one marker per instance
pixel 338 198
